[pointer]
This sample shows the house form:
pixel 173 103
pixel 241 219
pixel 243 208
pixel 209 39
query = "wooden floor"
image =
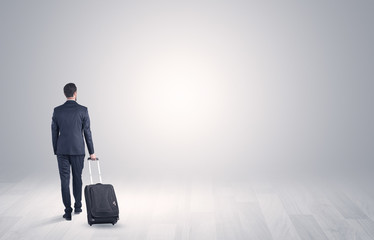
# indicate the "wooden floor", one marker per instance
pixel 31 209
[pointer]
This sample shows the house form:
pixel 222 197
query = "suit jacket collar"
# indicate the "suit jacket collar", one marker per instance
pixel 70 102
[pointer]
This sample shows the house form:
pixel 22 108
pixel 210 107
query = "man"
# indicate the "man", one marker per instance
pixel 69 122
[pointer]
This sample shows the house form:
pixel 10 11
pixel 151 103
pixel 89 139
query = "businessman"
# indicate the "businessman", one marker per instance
pixel 70 122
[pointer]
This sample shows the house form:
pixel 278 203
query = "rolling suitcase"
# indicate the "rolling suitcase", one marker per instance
pixel 101 201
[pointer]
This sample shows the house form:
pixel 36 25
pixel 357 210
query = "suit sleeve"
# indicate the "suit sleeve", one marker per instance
pixel 55 132
pixel 87 133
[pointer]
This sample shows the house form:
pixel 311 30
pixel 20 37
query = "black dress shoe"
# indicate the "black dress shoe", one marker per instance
pixel 67 216
pixel 78 210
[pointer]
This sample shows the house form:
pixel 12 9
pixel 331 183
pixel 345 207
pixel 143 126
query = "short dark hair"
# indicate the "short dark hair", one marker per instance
pixel 70 89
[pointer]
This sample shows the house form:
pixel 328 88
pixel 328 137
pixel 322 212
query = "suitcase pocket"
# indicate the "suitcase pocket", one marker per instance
pixel 103 201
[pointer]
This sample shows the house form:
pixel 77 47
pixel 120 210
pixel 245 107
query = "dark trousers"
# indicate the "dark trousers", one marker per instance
pixel 76 163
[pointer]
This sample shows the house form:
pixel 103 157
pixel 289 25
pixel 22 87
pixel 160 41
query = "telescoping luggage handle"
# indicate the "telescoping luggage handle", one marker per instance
pixel 98 167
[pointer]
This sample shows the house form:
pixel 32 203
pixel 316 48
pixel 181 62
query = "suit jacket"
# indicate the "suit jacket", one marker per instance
pixel 70 122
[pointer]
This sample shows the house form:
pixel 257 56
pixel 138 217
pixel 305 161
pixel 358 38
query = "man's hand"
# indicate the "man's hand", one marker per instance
pixel 93 156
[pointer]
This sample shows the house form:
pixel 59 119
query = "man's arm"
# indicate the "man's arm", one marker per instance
pixel 55 132
pixel 87 134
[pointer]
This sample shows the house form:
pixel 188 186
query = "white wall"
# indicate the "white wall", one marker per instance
pixel 236 87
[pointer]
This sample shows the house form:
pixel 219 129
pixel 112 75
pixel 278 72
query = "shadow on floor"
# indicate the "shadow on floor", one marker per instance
pixel 49 221
pixel 104 226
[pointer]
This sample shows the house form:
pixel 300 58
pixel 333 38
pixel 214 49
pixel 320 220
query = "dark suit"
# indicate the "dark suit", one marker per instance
pixel 70 122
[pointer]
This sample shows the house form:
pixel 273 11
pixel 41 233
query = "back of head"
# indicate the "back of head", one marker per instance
pixel 70 89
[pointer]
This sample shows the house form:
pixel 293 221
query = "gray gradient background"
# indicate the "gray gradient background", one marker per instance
pixel 229 88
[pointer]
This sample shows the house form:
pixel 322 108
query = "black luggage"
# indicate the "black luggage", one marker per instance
pixel 101 201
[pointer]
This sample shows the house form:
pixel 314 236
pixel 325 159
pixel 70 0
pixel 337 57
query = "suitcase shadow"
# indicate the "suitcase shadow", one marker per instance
pixel 103 226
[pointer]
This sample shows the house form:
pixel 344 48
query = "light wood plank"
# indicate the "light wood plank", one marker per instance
pixel 185 210
pixel 6 222
pixel 161 232
pixel 329 218
pixel 307 227
pixel 362 199
pixel 202 198
pixel 368 226
pixel 344 205
pixel 227 219
pixel 295 199
pixel 202 226
pixel 276 217
pixel 252 221
pixel 165 207
pixel 332 223
pixel 360 232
